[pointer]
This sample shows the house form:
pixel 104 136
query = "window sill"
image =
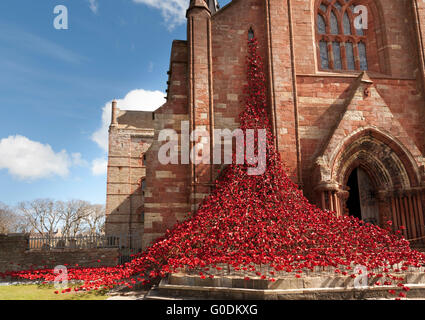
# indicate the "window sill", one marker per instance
pixel 352 74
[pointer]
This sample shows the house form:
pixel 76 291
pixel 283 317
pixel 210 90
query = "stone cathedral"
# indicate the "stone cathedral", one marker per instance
pixel 347 107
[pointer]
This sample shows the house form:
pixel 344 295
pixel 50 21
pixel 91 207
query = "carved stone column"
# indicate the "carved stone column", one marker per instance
pixel 384 205
pixel 327 192
pixel 343 196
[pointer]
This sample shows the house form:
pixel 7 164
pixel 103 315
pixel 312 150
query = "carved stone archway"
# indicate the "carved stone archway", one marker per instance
pixel 391 169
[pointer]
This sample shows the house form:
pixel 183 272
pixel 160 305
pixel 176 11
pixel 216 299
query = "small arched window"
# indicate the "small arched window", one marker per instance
pixel 251 34
pixel 340 45
pixel 143 186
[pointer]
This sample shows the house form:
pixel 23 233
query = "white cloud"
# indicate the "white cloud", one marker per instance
pixel 173 11
pixel 31 160
pixel 94 5
pixel 142 100
pixel 99 167
pixel 77 160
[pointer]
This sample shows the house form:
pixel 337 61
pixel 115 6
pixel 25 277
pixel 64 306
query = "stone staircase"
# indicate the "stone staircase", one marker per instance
pixel 325 287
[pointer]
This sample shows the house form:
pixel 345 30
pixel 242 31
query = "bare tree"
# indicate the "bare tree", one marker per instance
pixel 95 220
pixel 9 220
pixel 73 215
pixel 41 215
pixel 46 216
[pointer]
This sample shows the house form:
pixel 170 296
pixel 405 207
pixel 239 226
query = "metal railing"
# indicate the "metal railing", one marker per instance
pixel 47 242
pixel 128 245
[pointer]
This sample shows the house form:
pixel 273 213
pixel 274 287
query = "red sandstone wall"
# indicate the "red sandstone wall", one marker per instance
pixel 167 195
pixel 321 95
pixel 393 22
pixel 14 256
pixel 230 28
pixel 129 140
pixel 322 101
pixel 230 35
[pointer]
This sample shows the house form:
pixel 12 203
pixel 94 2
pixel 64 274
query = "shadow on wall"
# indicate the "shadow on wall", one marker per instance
pixel 130 137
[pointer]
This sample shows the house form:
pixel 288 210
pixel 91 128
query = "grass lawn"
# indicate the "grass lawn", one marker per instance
pixel 45 292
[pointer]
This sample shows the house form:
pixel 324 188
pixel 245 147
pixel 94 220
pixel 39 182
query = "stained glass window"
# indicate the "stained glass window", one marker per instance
pixel 336 48
pixel 347 24
pixel 359 32
pixel 250 34
pixel 340 48
pixel 362 54
pixel 334 24
pixel 349 55
pixel 321 25
pixel 338 6
pixel 324 58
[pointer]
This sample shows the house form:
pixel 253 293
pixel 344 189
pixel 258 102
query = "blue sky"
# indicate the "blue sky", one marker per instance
pixel 56 86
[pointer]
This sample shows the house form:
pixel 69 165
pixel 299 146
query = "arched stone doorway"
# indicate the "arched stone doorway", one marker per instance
pixel 362 201
pixel 372 176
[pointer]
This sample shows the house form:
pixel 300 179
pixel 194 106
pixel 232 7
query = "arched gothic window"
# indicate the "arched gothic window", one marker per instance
pixel 340 45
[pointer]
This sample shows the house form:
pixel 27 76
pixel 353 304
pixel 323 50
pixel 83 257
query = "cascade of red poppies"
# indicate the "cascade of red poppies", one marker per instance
pixel 258 220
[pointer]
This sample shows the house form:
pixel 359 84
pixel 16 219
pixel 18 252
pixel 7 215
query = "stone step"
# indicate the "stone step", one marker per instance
pixel 155 294
pixel 222 293
pixel 158 297
pixel 167 291
pixel 283 283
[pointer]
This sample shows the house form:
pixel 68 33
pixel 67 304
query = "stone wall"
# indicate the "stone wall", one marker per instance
pixel 325 102
pixel 129 140
pixel 14 255
pixel 168 187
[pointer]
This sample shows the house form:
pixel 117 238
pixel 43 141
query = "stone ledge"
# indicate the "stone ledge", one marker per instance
pixel 169 291
pixel 282 283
